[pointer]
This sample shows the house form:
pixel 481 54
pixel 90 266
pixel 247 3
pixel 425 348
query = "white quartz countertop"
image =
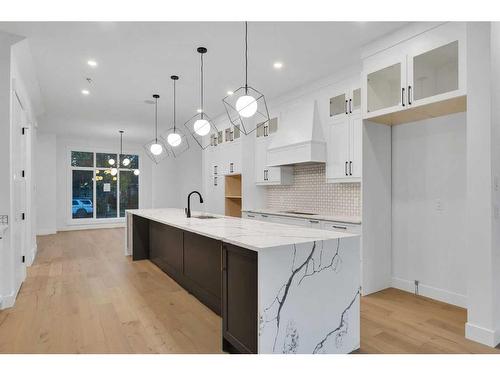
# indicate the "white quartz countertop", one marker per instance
pixel 251 234
pixel 337 218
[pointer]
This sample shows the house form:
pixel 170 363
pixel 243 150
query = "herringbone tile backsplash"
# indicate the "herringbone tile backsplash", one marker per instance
pixel 311 193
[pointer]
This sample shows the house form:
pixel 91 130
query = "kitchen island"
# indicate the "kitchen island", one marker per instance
pixel 279 288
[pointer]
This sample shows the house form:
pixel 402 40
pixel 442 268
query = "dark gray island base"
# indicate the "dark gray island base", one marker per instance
pixel 220 275
pixel 278 288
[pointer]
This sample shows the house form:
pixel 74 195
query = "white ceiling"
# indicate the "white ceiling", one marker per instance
pixel 136 60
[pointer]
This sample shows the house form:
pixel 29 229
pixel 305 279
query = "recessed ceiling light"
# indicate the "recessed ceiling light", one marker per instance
pixel 230 93
pixel 199 110
pixel 92 63
pixel 85 92
pixel 278 65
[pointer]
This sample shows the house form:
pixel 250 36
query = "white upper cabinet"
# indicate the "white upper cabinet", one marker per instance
pixel 265 175
pixel 344 134
pixel 424 70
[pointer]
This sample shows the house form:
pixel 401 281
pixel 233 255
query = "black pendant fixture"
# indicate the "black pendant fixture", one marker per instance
pixel 200 126
pixel 156 148
pixel 246 107
pixel 127 161
pixel 175 139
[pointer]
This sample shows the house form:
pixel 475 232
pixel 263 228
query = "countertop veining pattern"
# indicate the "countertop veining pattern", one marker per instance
pixel 251 234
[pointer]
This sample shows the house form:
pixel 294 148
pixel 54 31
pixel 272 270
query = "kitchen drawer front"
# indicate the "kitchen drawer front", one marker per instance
pixel 341 227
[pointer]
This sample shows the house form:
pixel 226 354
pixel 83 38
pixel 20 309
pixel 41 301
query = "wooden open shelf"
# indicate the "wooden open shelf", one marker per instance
pixel 233 195
pixel 442 108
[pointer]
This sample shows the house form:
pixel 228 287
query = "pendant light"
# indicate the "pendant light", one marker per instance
pixel 246 107
pixel 177 142
pixel 125 162
pixel 156 148
pixel 200 126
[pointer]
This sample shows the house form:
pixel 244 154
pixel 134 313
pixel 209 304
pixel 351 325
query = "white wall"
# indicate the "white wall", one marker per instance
pixel 429 207
pixel 175 178
pixel 46 177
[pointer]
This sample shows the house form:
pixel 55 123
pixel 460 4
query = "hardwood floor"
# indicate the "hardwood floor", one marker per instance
pixel 83 295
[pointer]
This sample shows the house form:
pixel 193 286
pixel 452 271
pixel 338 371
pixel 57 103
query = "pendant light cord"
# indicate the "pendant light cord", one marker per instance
pixel 174 106
pixel 246 57
pixel 121 143
pixel 201 86
pixel 156 120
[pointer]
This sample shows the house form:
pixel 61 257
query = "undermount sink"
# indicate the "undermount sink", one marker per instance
pixel 205 217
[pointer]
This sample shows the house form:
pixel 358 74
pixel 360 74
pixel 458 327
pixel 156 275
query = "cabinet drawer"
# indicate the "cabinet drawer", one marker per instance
pixel 341 227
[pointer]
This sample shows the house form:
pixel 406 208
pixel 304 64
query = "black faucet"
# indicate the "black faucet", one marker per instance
pixel 188 209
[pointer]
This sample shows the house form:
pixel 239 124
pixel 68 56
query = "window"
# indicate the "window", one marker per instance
pixel 93 181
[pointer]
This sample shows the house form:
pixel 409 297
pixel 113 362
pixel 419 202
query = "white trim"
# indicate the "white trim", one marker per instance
pixel 45 232
pixel 31 256
pixel 431 292
pixel 10 299
pixel 482 335
pixel 92 226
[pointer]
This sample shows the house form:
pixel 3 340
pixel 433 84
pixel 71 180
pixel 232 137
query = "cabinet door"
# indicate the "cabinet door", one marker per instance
pixel 338 149
pixel 434 73
pixel 239 295
pixel 260 160
pixel 202 266
pixel 166 248
pixel 385 85
pixel 273 174
pixel 355 101
pixel 339 105
pixel 355 145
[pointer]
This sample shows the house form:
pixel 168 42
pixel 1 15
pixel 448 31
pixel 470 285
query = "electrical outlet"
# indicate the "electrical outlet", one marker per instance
pixel 439 205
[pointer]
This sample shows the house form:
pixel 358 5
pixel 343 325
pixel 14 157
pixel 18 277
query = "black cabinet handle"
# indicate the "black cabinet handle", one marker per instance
pixel 350 105
pixel 345 169
pixel 248 215
pixel 409 95
pixel 350 168
pixel 231 167
pixel 314 221
pixel 403 96
pixel 339 227
pixel 264 215
pixel 346 111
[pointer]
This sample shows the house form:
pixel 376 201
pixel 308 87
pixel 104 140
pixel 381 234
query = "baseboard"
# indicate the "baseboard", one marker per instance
pixel 32 256
pixel 10 299
pixel 482 335
pixel 431 292
pixel 45 232
pixel 91 226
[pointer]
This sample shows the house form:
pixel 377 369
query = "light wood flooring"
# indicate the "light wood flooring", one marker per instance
pixel 82 295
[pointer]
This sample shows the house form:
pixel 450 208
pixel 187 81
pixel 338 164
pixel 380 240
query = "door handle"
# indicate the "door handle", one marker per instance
pixel 345 169
pixel 350 105
pixel 346 111
pixel 350 168
pixel 409 95
pixel 403 96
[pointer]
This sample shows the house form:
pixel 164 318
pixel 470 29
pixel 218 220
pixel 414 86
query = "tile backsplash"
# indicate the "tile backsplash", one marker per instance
pixel 311 193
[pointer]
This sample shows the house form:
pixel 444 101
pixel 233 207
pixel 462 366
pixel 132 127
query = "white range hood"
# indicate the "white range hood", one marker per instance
pixel 299 138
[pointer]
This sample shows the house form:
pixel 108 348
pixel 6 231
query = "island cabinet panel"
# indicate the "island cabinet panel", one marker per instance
pixel 166 248
pixel 240 312
pixel 140 238
pixel 202 269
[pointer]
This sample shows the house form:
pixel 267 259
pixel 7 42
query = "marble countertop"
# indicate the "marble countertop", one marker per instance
pixel 342 219
pixel 251 234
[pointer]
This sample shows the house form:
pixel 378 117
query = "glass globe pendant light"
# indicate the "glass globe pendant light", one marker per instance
pixel 176 140
pixel 246 102
pixel 200 125
pixel 156 148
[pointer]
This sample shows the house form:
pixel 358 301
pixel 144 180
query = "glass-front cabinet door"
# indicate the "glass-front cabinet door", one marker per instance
pixel 338 105
pixel 385 87
pixel 436 71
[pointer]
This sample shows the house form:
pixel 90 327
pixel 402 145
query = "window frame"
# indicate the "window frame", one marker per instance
pixel 69 190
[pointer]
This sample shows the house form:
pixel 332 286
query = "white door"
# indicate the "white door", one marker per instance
pixel 355 145
pixel 338 149
pixel 19 145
